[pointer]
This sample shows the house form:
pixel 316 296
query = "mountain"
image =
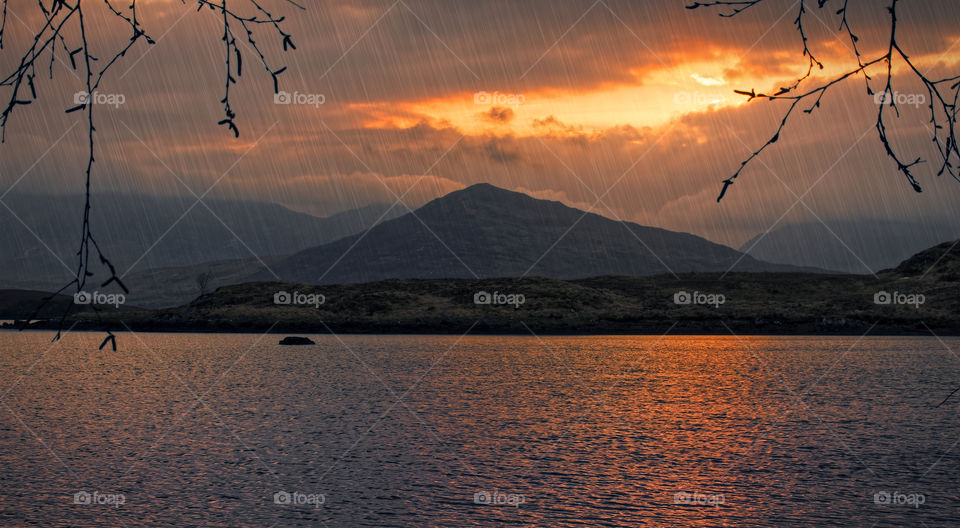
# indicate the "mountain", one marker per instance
pixel 854 246
pixel 40 233
pixel 493 232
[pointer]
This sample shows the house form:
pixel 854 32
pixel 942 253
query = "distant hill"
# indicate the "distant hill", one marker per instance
pixel 864 246
pixel 174 286
pixel 920 296
pixel 493 232
pixel 166 231
pixel 940 263
pixel 20 304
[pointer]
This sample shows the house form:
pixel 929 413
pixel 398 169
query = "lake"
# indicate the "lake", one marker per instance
pixel 234 430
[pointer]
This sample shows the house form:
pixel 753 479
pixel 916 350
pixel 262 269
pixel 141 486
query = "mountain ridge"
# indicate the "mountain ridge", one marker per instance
pixel 142 232
pixel 485 231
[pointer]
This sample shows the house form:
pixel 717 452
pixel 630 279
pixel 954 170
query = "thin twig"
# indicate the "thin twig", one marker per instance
pixel 943 93
pixel 22 81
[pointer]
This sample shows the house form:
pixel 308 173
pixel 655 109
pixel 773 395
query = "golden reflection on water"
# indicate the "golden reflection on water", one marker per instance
pixel 566 431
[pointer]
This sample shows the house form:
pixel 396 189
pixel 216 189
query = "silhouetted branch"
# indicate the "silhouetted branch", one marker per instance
pixel 737 7
pixel 24 92
pixel 3 23
pixel 943 94
pixel 233 53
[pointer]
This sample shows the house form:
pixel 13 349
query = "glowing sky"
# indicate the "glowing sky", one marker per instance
pixel 623 106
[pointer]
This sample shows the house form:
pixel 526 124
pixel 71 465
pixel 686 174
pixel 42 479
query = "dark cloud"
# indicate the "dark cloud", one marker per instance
pixel 500 151
pixel 498 114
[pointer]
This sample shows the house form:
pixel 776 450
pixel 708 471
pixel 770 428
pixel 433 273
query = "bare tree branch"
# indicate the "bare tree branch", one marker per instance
pixel 233 54
pixel 942 93
pixel 64 14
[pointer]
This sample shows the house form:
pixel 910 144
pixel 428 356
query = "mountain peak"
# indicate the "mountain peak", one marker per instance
pixel 487 231
pixel 488 203
pixel 482 185
pixel 486 191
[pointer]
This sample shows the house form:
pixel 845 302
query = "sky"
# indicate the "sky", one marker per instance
pixel 624 108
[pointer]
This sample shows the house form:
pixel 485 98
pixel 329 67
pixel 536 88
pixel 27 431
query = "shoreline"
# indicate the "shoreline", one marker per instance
pixel 531 331
pixel 774 304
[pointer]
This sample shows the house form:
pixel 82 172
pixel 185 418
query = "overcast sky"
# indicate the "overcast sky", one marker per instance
pixel 626 107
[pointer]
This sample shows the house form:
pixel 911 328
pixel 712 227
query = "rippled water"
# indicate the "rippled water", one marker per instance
pixel 204 430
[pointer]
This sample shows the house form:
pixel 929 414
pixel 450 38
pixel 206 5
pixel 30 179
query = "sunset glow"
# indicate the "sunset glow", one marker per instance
pixel 474 263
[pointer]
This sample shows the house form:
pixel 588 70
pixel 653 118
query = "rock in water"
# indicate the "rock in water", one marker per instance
pixel 293 340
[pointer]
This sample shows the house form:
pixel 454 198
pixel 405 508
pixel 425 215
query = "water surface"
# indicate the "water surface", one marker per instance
pixel 205 430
